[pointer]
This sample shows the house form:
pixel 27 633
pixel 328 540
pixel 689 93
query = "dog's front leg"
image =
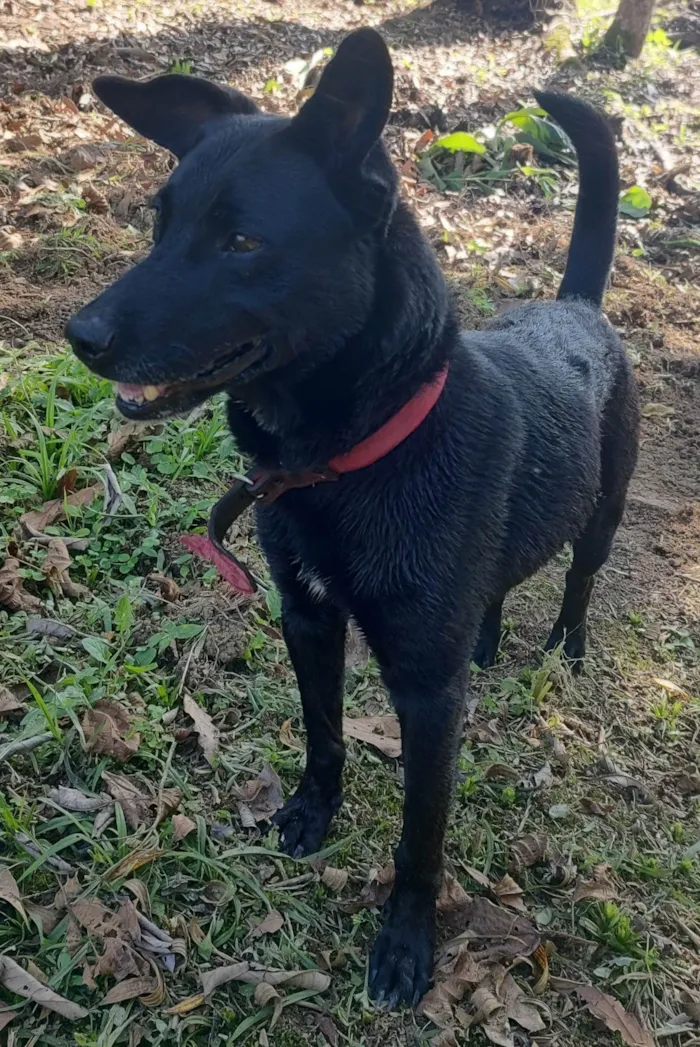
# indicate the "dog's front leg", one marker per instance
pixel 402 958
pixel 314 632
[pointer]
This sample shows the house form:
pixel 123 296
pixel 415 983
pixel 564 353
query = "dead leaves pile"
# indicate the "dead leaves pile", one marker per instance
pixel 133 951
pixel 13 595
pixel 472 985
pixel 55 569
pixel 135 795
pixel 109 730
pixel 260 798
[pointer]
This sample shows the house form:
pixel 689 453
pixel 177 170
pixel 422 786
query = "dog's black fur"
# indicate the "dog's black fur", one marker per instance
pixel 531 444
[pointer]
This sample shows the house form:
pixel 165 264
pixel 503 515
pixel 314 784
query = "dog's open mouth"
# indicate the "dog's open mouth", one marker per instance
pixel 159 401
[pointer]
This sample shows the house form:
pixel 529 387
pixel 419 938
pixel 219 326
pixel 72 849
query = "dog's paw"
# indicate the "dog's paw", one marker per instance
pixel 486 650
pixel 401 962
pixel 573 644
pixel 304 820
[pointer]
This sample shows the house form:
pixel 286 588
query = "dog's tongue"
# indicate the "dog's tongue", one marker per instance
pixel 139 393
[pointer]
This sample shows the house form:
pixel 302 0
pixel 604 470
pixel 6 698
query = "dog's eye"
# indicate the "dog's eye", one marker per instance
pixel 241 244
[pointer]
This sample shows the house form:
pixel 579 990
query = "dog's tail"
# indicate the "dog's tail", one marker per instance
pixel 593 240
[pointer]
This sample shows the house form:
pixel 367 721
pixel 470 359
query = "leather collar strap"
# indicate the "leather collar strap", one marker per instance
pixel 266 487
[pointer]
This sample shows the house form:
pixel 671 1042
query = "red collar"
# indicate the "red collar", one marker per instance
pixel 266 487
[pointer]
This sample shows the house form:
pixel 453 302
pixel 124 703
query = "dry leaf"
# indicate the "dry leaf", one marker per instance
pixel 265 994
pixel 453 978
pixel 47 918
pixel 182 827
pixel 207 732
pixel 334 879
pixel 589 806
pixel 74 800
pixel 509 893
pixel 129 990
pixel 499 934
pixel 559 753
pixel 688 784
pixel 375 893
pixel 128 793
pixel 36 522
pixel 12 592
pixel 262 796
pixel 191 1003
pixel 9 703
pixel 608 1010
pixel 11 239
pixel 486 733
pixel 67 482
pixel 55 569
pixel 109 731
pixel 120 439
pixel 270 925
pixel 544 779
pixel 211 980
pixel 119 960
pixel 538 849
pixel 316 981
pixel 329 1030
pixel 83 157
pixel 49 628
pixel 168 588
pixel 140 892
pixel 95 201
pixel 478 877
pixel 94 917
pixel 599 889
pixel 656 410
pixel 21 983
pixel 528 850
pixel 383 732
pixel 288 738
pixel 502 770
pixel 6 1016
pixel 631 788
pixel 452 898
pixel 130 862
pixel 9 892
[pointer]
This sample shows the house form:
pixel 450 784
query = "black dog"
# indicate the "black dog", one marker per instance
pixel 287 271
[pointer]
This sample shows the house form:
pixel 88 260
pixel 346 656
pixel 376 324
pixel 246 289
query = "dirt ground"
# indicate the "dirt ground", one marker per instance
pixel 148 716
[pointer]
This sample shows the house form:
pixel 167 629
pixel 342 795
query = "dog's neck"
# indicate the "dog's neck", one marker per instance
pixel 304 415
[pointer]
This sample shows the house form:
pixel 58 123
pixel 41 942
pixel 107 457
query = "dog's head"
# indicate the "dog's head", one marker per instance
pixel 264 236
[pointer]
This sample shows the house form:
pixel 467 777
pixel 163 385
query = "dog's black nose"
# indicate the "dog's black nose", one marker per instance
pixel 91 336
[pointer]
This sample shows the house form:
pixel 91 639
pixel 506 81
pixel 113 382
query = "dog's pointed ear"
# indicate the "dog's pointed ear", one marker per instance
pixel 347 112
pixel 171 110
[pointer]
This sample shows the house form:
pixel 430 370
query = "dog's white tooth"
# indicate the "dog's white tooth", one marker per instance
pixel 151 392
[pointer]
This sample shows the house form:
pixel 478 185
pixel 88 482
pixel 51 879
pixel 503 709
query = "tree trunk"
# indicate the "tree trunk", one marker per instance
pixel 630 27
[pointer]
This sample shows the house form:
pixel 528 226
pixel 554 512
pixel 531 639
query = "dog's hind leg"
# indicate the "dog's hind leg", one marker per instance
pixel 592 548
pixel 489 637
pixel 591 551
pixel 314 631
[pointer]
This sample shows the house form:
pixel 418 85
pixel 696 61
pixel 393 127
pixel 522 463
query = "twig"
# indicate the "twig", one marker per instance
pixel 160 809
pixel 25 745
pixel 695 938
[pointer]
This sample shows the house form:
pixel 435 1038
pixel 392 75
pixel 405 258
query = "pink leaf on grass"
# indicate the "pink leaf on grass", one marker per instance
pixel 230 571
